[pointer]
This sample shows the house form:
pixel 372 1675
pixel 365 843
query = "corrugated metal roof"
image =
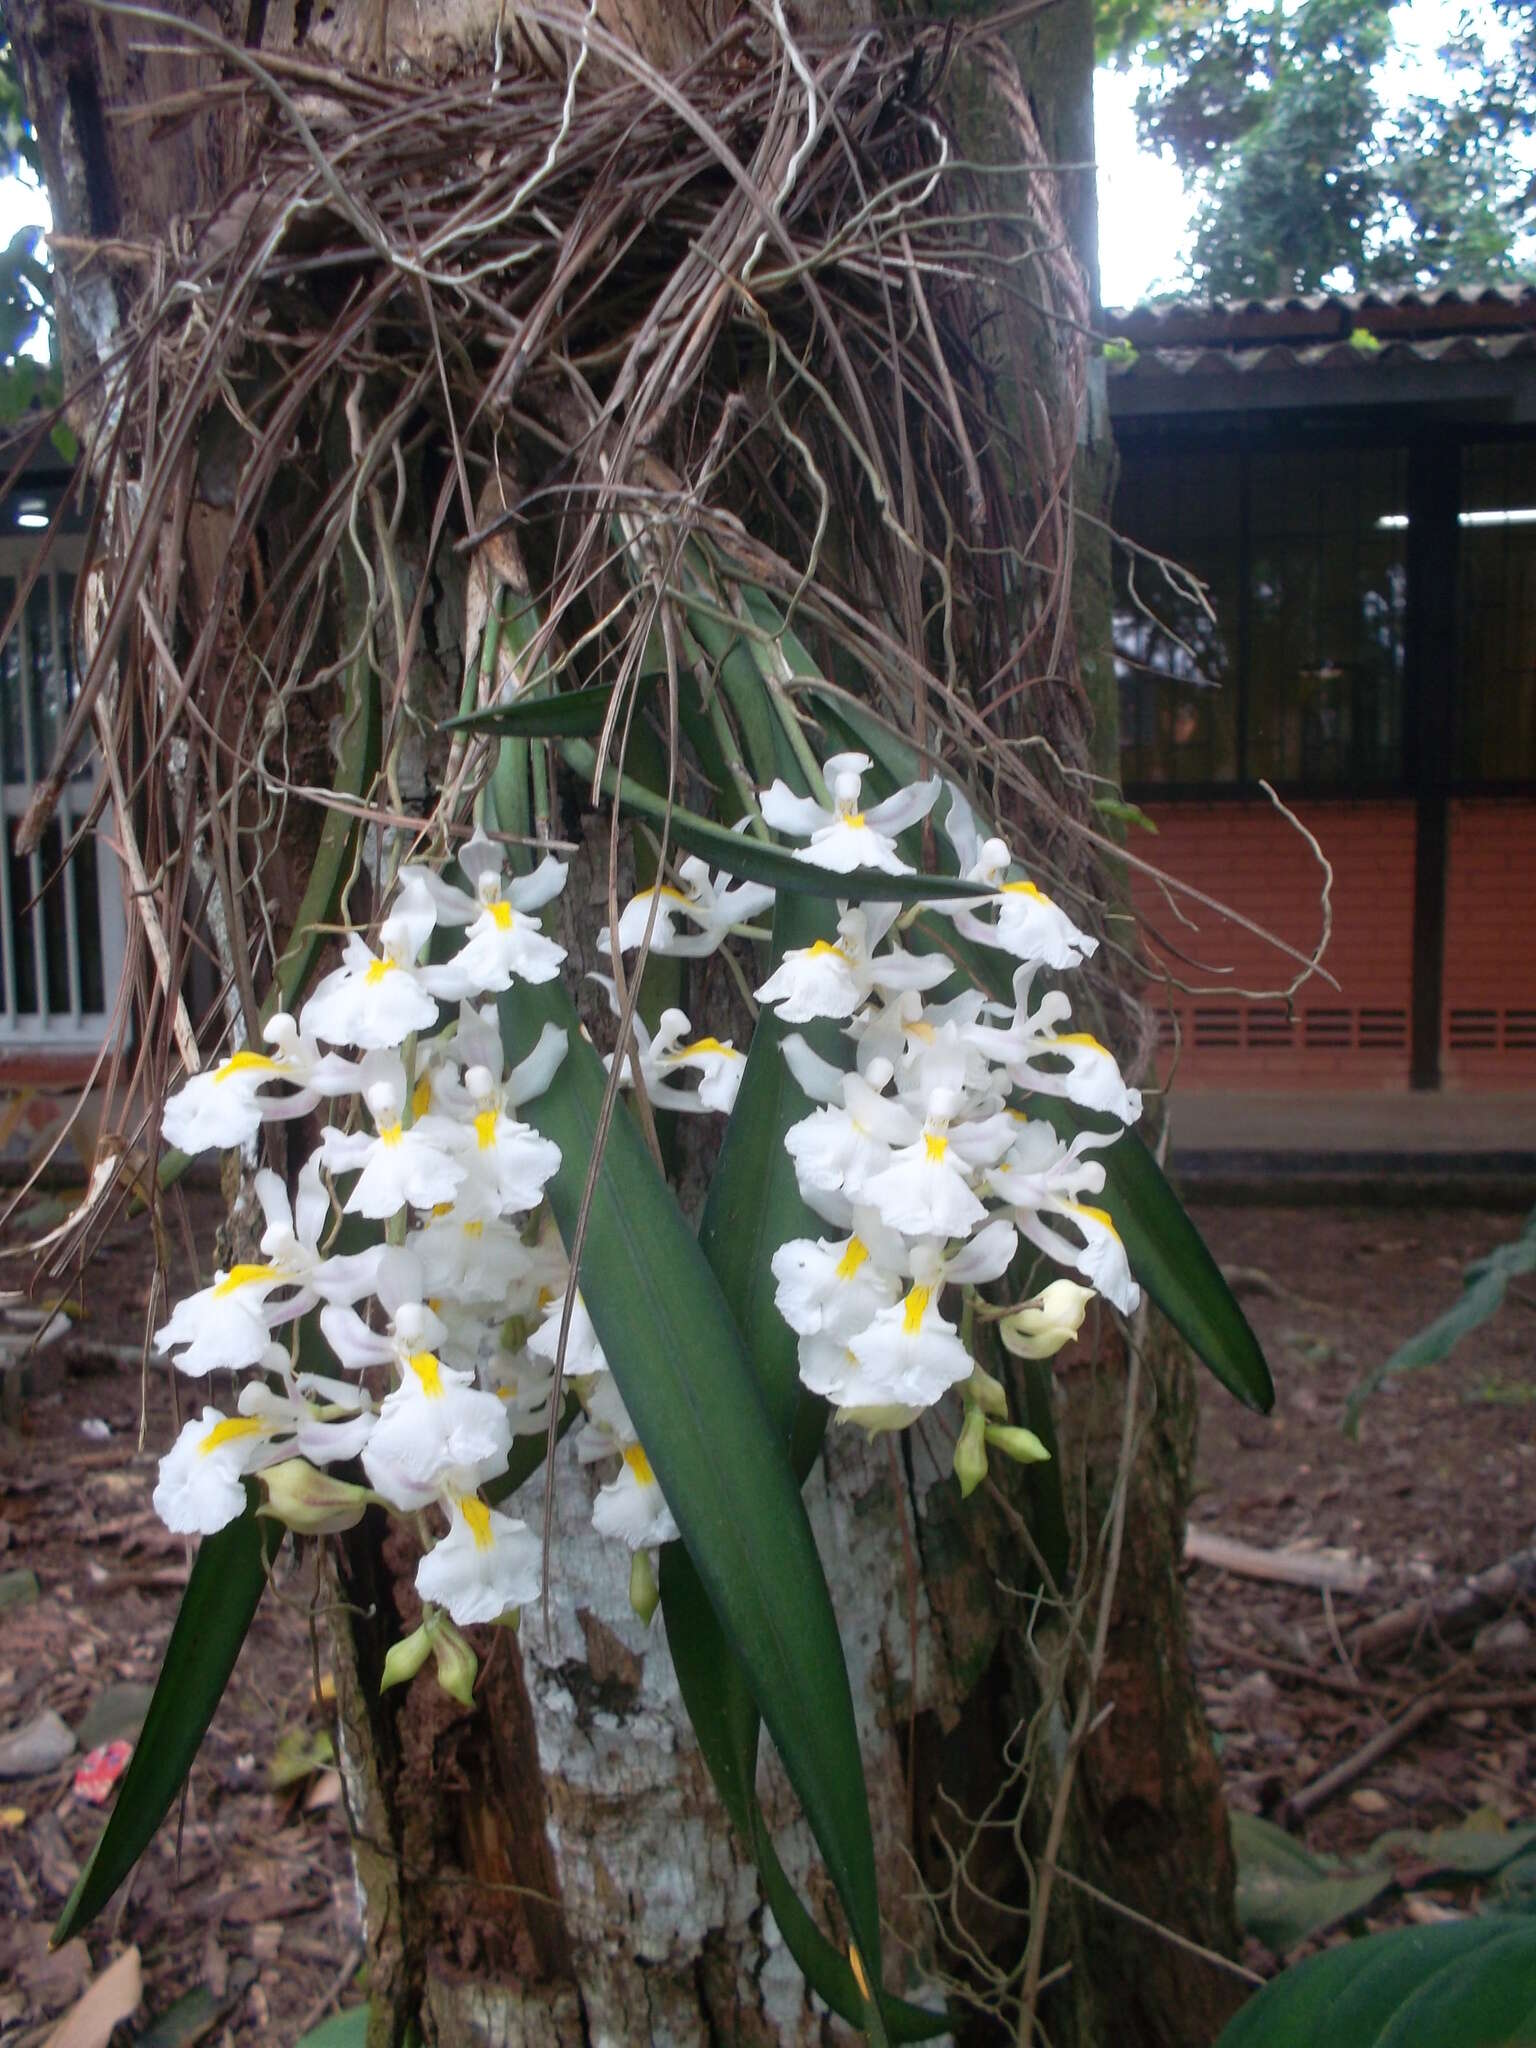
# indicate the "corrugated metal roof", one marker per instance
pixel 1451 324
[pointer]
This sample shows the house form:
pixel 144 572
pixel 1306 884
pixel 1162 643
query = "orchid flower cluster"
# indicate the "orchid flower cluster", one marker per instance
pixel 920 1156
pixel 445 1331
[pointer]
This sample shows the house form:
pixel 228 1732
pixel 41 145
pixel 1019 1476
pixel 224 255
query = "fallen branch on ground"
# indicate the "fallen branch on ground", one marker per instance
pixel 1285 1567
pixel 1445 1613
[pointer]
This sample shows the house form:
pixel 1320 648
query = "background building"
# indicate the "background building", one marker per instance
pixel 1353 480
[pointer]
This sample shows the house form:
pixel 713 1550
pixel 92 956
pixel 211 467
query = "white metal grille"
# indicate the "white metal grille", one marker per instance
pixel 61 926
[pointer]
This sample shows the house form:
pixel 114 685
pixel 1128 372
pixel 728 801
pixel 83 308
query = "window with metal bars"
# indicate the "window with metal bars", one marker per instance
pixel 61 918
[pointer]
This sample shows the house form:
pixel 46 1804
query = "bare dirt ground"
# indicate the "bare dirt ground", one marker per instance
pixel 249 1919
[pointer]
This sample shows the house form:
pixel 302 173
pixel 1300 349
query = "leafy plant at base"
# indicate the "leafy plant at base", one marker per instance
pixel 1484 1285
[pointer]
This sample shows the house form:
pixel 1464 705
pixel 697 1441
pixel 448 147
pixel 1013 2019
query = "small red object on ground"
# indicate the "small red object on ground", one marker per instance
pixel 100 1771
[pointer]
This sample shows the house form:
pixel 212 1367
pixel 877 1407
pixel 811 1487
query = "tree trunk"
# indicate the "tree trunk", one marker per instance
pixel 552 1865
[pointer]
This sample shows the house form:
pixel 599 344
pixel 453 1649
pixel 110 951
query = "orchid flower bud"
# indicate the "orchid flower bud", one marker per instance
pixel 457 1663
pixel 405 1658
pixel 1039 1328
pixel 1022 1445
pixel 311 1502
pixel 971 1452
pixel 644 1593
pixel 987 1394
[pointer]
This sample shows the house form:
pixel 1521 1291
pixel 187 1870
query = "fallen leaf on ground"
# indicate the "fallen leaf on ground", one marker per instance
pixel 114 1995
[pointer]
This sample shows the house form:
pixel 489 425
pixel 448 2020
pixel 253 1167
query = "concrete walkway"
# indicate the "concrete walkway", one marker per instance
pixel 1297 1122
pixel 1486 1141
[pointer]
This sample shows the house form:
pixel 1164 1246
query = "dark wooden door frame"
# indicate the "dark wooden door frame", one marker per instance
pixel 1429 671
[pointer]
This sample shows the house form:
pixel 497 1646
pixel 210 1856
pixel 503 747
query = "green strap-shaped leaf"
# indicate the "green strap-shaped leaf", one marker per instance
pixel 754 1206
pixel 725 1720
pixel 688 1384
pixel 1166 1252
pixel 567 715
pixel 740 854
pixel 1463 1984
pixel 229 1575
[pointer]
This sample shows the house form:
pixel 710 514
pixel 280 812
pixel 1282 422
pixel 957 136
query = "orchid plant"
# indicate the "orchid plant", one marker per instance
pixel 919 1157
pixel 924 1167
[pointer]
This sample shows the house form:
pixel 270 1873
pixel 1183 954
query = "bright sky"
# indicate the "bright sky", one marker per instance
pixel 1144 216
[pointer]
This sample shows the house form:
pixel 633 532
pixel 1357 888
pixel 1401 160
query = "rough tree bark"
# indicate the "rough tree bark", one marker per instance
pixel 553 1867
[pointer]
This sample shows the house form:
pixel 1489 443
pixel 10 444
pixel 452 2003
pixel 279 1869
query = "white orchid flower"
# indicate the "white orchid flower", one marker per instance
pixel 299 1428
pixel 1042 1177
pixel 504 942
pixel 376 1000
pixel 1081 1069
pixel 583 1353
pixel 607 1429
pixel 436 1431
pixel 506 1163
pixel 673 1051
pixel 833 978
pixel 399 1165
pixel 843 837
pixel 201 1485
pixel 227 1105
pixel 523 1385
pixel 909 1355
pixel 632 1507
pixel 228 1325
pixel 836 1288
pixel 472 1256
pixel 840 1147
pixel 712 905
pixel 487 1564
pixel 1026 922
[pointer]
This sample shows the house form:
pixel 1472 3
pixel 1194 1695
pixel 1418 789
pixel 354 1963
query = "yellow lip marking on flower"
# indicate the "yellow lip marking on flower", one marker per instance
pixel 476 1229
pixel 478 1516
pixel 1025 889
pixel 728 1052
pixel 821 949
pixel 913 1309
pixel 856 1964
pixel 1080 1038
pixel 238 1277
pixel 230 1431
pixel 545 1298
pixel 377 970
pixel 442 1208
pixel 934 1146
pixel 1100 1216
pixel 246 1063
pixel 427 1367
pixel 502 915
pixel 485 1128
pixel 639 1464
pixel 391 1134
pixel 666 889
pixel 853 818
pixel 919 1027
pixel 421 1096
pixel 852 1259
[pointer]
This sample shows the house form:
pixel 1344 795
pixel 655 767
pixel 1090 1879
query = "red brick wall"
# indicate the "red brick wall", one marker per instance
pixel 1250 859
pixel 1488 1033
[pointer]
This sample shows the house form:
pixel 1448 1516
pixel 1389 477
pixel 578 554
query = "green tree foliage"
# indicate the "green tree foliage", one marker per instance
pixel 1309 169
pixel 26 282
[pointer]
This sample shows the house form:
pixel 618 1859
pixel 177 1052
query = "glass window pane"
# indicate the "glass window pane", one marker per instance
pixel 1496 568
pixel 87 875
pixel 13 758
pixel 55 923
pixel 1328 604
pixel 1175 647
pixel 23 951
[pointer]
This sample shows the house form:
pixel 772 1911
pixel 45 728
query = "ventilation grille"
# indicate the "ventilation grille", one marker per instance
pixel 1268 1030
pixel 1491 1031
